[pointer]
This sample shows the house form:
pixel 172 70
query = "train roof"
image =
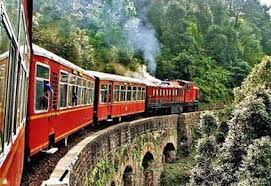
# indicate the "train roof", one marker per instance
pixel 164 84
pixel 39 51
pixel 114 77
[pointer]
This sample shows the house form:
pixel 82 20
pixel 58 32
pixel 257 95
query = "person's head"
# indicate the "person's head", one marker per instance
pixel 47 88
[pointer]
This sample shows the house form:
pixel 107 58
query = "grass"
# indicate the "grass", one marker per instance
pixel 178 173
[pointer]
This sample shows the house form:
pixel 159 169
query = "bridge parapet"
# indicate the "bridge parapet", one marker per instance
pixel 130 153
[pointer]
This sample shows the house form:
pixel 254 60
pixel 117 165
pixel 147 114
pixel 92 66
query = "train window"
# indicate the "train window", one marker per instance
pixel 123 93
pixel 84 99
pixel 18 98
pixel 43 88
pixel 63 93
pixel 13 7
pixel 116 93
pixel 73 90
pixel 143 94
pixel 104 90
pixel 188 87
pixel 91 92
pixel 23 102
pixel 88 92
pixel 129 93
pixel 22 37
pixel 180 91
pixel 10 115
pixel 139 93
pixel 4 46
pixel 134 94
pixel 79 90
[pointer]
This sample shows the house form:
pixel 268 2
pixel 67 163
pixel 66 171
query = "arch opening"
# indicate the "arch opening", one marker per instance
pixel 169 153
pixel 113 183
pixel 127 178
pixel 148 169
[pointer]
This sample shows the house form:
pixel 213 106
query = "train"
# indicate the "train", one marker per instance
pixel 63 98
pixel 15 54
pixel 45 98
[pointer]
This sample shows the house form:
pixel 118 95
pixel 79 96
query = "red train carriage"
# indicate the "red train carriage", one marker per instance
pixel 15 23
pixel 117 96
pixel 191 95
pixel 60 100
pixel 172 96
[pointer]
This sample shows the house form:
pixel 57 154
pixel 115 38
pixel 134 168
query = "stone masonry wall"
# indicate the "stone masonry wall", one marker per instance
pixel 103 157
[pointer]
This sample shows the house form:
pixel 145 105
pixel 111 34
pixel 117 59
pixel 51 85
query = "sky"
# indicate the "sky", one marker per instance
pixel 266 2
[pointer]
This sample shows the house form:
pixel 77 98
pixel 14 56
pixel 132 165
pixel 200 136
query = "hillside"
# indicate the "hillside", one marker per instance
pixel 212 42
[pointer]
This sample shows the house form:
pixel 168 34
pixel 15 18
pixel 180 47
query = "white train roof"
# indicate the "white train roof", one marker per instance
pixel 37 50
pixel 163 84
pixel 114 77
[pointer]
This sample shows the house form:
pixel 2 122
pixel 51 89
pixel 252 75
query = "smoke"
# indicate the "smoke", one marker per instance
pixel 131 17
pixel 115 20
pixel 142 38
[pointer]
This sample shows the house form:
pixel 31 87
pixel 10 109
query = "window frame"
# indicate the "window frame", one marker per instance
pixel 90 87
pixel 59 93
pixel 71 85
pixel 106 92
pixel 79 101
pixel 116 91
pixel 49 68
pixel 125 93
pixel 129 93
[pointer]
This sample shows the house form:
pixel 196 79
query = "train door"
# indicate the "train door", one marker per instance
pixel 53 104
pixel 39 128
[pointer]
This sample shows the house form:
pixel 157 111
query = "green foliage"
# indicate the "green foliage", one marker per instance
pixel 178 173
pixel 259 77
pixel 256 167
pixel 208 123
pixel 203 173
pixel 212 42
pixel 251 121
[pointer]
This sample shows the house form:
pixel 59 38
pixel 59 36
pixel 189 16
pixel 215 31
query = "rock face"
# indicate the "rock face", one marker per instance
pixel 131 153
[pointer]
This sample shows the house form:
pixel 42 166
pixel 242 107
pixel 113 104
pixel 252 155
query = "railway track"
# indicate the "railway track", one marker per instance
pixel 42 165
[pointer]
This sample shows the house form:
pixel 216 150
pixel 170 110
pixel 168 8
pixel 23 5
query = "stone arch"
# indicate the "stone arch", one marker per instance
pixel 169 153
pixel 127 177
pixel 148 169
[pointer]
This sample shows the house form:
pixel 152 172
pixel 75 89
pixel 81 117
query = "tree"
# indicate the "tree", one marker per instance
pixel 204 173
pixel 256 166
pixel 251 120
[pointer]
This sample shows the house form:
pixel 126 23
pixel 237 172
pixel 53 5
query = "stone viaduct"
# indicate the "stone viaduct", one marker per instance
pixel 126 154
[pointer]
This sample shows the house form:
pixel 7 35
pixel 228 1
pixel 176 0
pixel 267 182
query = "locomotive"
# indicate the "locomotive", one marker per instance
pixel 45 98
